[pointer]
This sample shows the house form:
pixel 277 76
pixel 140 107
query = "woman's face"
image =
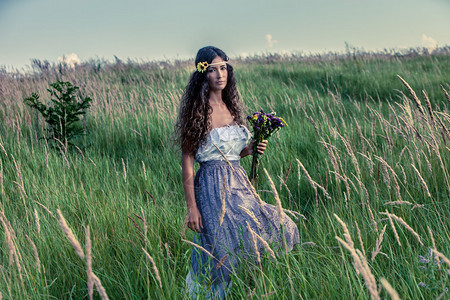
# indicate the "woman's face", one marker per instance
pixel 217 74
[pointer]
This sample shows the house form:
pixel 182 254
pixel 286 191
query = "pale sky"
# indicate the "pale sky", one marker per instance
pixel 153 30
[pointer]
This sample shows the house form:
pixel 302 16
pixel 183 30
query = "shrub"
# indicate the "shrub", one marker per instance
pixel 63 115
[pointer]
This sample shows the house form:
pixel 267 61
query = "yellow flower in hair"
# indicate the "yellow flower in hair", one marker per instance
pixel 202 66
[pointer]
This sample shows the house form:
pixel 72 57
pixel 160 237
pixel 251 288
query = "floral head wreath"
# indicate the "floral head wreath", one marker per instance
pixel 202 66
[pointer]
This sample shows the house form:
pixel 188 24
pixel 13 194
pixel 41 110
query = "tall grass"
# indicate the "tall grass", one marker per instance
pixel 364 159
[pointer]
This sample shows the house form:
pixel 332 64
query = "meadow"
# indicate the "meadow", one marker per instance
pixel 364 163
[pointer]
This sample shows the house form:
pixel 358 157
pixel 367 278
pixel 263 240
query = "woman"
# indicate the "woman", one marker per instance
pixel 220 200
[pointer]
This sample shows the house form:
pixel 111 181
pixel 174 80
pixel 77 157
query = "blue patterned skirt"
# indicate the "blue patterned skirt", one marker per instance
pixel 227 203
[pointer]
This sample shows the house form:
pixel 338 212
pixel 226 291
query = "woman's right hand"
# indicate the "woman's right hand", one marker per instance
pixel 195 219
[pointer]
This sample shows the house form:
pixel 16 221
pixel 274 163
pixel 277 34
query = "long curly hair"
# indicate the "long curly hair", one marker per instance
pixel 194 118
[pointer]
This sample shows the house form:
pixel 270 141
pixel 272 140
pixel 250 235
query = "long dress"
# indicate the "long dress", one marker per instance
pixel 229 204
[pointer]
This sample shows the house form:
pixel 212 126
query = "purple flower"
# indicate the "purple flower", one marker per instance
pixel 422 284
pixel 264 125
pixel 423 260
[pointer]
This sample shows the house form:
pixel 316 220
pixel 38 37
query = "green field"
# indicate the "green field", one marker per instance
pixel 359 148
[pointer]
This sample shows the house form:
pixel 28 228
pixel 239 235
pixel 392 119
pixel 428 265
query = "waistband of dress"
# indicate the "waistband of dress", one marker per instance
pixel 210 163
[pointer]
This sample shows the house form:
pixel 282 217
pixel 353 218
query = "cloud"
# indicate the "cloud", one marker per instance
pixel 429 43
pixel 70 60
pixel 270 41
pixel 244 55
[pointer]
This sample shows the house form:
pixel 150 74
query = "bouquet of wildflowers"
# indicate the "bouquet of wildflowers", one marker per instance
pixel 263 126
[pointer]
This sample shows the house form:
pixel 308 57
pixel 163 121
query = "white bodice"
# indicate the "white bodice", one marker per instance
pixel 230 139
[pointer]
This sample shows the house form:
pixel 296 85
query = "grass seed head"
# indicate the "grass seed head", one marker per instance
pixel 254 243
pixel 36 219
pixel 421 180
pixel 401 221
pixel 101 290
pixel 250 214
pixel 391 291
pixel 155 269
pixel 393 227
pixel 35 253
pixel 413 94
pixel 90 280
pixel 378 245
pixel 9 240
pixel 222 199
pixel 347 236
pixel 360 238
pixel 69 234
pixel 221 262
pixel 277 198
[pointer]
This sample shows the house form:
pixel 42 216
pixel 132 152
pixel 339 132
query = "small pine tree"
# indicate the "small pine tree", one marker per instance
pixel 63 115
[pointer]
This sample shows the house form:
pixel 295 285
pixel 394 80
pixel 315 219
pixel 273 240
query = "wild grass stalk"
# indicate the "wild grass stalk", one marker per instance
pixel 1 177
pixel 413 94
pixel 391 291
pixel 200 248
pixel 9 240
pixel 69 234
pixel 222 199
pixel 401 221
pixel 362 268
pixel 443 257
pixel 37 222
pixel 254 243
pixel 386 167
pixel 45 208
pixel 421 180
pixel 347 236
pixel 251 215
pixel 90 279
pixel 101 290
pixel 155 269
pixel 378 245
pixel 393 228
pixel 277 198
pixel 332 102
pixel 360 238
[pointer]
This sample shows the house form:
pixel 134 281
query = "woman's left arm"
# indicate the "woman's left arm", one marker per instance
pixel 248 150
